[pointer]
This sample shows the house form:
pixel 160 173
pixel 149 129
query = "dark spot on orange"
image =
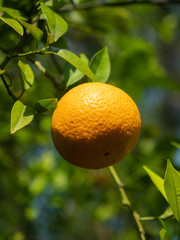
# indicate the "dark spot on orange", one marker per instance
pixel 106 153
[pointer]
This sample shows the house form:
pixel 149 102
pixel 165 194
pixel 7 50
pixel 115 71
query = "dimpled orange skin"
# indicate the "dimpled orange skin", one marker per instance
pixel 95 125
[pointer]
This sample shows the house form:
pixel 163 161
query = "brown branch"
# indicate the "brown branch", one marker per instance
pixel 87 6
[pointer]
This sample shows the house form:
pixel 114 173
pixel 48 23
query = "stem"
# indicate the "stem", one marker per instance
pixel 11 94
pixel 7 88
pixel 40 51
pixel 148 218
pixel 126 202
pixel 30 53
pixel 5 62
pixel 43 71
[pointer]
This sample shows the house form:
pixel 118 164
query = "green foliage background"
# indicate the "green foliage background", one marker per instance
pixel 42 197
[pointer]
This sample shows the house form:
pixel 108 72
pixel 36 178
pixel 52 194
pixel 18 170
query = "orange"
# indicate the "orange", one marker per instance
pixel 95 125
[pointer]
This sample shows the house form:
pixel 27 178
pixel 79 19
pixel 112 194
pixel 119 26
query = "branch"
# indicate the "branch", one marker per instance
pixel 126 202
pixel 5 62
pixel 43 71
pixel 11 94
pixel 87 6
pixel 8 89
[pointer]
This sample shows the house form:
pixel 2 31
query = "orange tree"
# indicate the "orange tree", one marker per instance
pixel 49 47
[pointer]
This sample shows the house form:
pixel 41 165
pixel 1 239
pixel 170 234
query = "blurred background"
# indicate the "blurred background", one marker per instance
pixel 42 197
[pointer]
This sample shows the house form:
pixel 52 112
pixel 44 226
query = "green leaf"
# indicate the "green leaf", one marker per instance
pixel 175 144
pixel 157 180
pixel 27 74
pixel 57 25
pixel 76 62
pixel 172 188
pixel 46 104
pixel 50 38
pixel 21 115
pixel 167 232
pixel 61 43
pixel 13 13
pixel 2 71
pixel 36 32
pixel 100 65
pixel 164 235
pixel 166 214
pixel 14 24
pixel 72 74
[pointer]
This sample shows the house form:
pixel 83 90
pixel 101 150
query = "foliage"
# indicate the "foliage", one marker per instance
pixel 48 47
pixel 169 187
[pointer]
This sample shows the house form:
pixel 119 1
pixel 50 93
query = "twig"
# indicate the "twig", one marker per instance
pixel 30 53
pixel 4 50
pixel 8 89
pixel 5 62
pixel 126 202
pixel 43 71
pixel 87 6
pixel 149 218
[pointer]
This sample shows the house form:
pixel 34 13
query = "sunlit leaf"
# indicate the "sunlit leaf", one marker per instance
pixel 163 234
pixel 76 62
pixel 14 24
pixel 2 71
pixel 27 74
pixel 172 188
pixel 46 104
pixel 13 13
pixel 36 32
pixel 50 38
pixel 166 214
pixel 175 144
pixel 100 65
pixel 21 115
pixel 72 74
pixel 57 25
pixel 157 180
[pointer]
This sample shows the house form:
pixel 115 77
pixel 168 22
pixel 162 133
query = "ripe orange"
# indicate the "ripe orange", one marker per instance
pixel 95 125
